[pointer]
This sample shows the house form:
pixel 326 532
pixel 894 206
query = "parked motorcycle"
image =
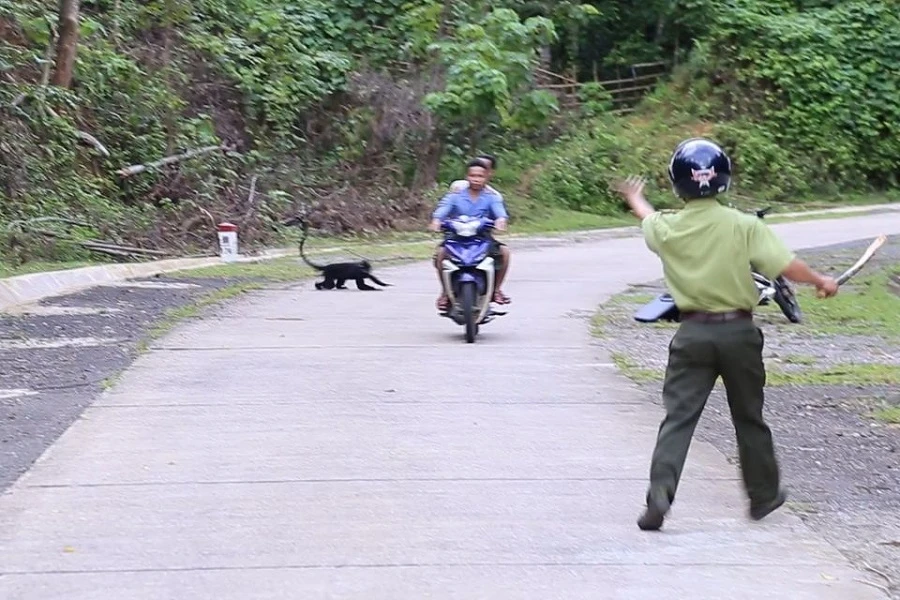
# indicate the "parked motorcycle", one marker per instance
pixel 777 290
pixel 469 273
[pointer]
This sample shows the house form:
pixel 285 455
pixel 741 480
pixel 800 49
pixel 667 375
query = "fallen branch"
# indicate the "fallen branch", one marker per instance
pixel 19 100
pixel 212 219
pixel 109 246
pixel 169 160
pixel 81 135
pixel 92 245
pixel 92 141
pixel 12 224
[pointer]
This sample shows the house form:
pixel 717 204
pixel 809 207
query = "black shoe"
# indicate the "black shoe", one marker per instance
pixel 658 504
pixel 760 511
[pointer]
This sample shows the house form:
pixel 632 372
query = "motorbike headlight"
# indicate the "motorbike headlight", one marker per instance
pixel 466 229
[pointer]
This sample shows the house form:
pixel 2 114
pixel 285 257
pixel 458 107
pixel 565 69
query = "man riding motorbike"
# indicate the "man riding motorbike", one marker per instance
pixel 461 184
pixel 475 200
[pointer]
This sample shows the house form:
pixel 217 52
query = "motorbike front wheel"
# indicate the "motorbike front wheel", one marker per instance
pixel 467 297
pixel 786 300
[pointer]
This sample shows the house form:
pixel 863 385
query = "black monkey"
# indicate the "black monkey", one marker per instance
pixel 337 274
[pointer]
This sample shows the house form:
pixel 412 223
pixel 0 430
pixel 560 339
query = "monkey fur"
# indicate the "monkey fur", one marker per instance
pixel 337 274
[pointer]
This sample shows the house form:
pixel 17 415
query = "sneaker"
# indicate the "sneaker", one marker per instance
pixel 761 511
pixel 658 505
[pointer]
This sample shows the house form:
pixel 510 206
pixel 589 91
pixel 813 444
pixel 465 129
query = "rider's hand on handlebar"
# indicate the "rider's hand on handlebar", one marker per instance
pixel 500 224
pixel 435 225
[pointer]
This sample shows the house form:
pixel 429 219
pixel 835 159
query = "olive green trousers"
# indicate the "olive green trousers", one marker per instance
pixel 699 354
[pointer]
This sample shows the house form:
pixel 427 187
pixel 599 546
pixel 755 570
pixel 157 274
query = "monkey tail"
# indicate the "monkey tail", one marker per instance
pixel 302 255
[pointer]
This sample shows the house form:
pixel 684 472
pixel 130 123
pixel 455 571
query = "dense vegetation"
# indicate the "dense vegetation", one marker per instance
pixel 362 110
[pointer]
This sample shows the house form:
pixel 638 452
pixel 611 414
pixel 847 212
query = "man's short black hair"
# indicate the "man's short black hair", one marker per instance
pixel 491 158
pixel 477 162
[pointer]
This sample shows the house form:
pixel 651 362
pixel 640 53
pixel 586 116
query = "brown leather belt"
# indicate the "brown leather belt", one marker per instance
pixel 721 317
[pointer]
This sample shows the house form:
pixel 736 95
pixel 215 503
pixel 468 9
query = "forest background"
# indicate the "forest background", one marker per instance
pixel 131 127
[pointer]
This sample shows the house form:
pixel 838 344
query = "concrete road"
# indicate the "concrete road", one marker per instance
pixel 347 445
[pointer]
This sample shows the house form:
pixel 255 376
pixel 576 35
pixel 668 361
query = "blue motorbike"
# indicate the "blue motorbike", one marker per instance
pixel 468 273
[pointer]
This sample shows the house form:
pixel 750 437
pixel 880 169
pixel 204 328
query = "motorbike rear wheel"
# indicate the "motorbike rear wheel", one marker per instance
pixel 467 297
pixel 786 300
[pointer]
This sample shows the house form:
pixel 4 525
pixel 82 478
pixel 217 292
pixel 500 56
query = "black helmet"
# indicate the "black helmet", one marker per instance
pixel 699 169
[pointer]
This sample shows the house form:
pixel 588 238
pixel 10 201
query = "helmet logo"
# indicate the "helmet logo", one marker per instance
pixel 703 176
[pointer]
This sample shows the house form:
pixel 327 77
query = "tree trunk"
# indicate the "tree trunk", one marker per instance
pixel 430 159
pixel 545 64
pixel 67 44
pixel 429 162
pixel 169 116
pixel 116 25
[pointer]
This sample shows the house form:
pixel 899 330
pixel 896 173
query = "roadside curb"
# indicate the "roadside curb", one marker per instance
pixel 25 289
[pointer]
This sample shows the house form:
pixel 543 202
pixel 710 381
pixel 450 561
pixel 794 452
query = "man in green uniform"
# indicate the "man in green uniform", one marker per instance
pixel 706 251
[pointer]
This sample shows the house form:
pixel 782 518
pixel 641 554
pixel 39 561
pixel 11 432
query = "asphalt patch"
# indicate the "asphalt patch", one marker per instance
pixel 56 362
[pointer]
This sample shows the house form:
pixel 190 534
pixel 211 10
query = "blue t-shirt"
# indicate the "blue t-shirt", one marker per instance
pixel 455 204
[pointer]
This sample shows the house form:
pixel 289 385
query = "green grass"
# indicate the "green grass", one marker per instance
pixel 176 315
pixel 275 270
pixel 774 219
pixel 634 372
pixel 843 374
pixel 630 299
pixel 598 324
pixel 111 381
pixel 7 270
pixel 292 268
pixel 864 306
pixel 529 218
pixel 888 414
pixel 285 269
pixel 799 359
pixel 801 507
pixel 560 220
pixel 849 199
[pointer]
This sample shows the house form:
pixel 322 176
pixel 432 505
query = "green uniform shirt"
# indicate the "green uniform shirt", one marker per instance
pixel 706 250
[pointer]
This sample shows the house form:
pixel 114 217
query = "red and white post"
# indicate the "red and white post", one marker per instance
pixel 228 242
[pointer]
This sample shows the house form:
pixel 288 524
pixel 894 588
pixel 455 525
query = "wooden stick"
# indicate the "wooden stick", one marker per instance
pixel 169 160
pixel 650 77
pixel 562 86
pixel 866 257
pixel 661 63
pixel 636 88
pixel 557 75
